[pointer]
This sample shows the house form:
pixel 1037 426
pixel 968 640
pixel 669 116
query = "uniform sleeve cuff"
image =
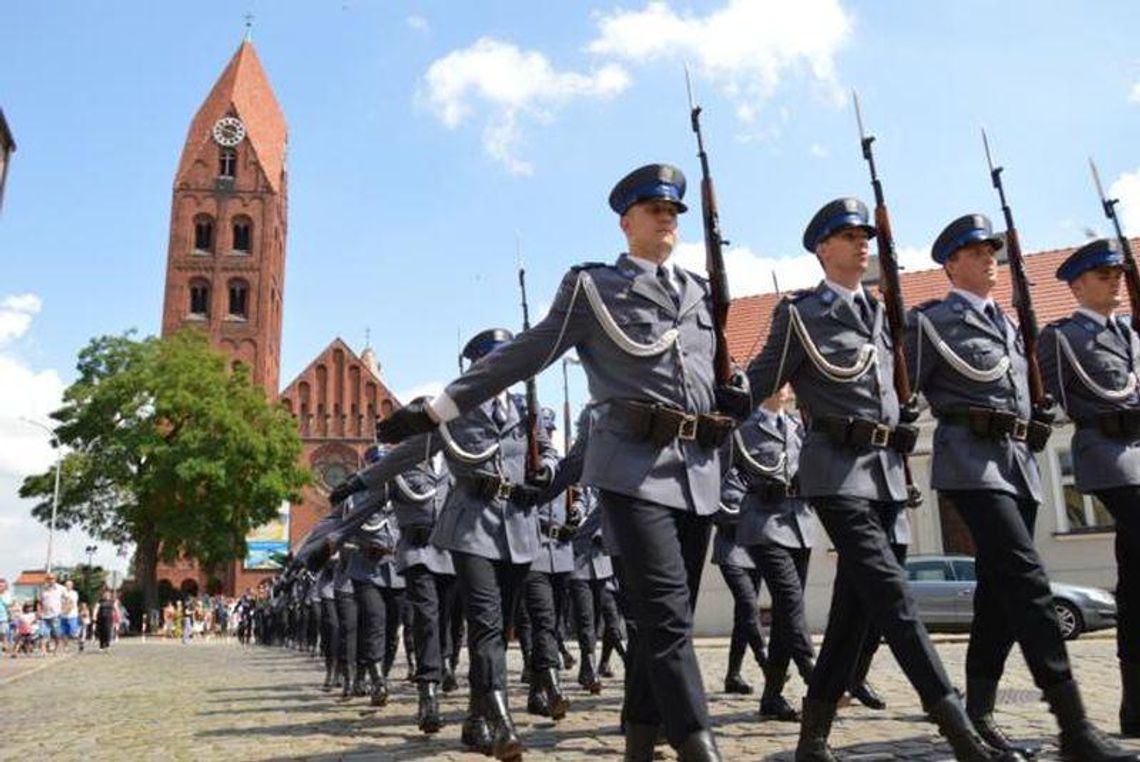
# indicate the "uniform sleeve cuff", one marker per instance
pixel 443 408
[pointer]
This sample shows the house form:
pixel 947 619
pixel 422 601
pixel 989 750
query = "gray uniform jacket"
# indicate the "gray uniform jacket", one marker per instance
pixel 380 534
pixel 554 556
pixel 963 461
pixel 342 582
pixel 324 585
pixel 727 550
pixel 634 345
pixel 474 444
pixel 590 558
pixel 838 366
pixel 765 452
pixel 1100 385
pixel 418 496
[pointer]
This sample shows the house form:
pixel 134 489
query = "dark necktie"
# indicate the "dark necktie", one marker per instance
pixel 863 308
pixel 667 284
pixel 1114 328
pixel 995 316
pixel 498 413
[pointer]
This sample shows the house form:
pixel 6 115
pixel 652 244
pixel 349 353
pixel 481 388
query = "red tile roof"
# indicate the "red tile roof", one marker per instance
pixel 244 89
pixel 31 577
pixel 750 317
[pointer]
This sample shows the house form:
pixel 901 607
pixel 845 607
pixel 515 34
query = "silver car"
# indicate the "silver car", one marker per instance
pixel 943 588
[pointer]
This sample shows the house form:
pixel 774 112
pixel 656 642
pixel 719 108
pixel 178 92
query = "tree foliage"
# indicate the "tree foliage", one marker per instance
pixel 169 448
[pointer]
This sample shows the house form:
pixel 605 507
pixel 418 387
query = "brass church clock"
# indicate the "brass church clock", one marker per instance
pixel 228 131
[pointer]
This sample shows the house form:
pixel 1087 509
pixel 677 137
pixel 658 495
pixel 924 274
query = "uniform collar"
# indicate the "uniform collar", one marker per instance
pixel 1096 317
pixel 975 301
pixel 650 268
pixel 847 294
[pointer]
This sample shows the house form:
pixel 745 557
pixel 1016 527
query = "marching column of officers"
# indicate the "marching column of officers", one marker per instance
pixel 664 454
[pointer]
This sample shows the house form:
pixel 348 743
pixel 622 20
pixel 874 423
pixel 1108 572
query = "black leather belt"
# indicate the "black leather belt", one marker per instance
pixel 559 532
pixel 662 424
pixel 418 536
pixel 864 432
pixel 990 423
pixel 770 491
pixel 491 487
pixel 1115 424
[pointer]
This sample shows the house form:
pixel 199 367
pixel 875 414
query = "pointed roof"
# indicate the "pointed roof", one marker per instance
pixel 326 357
pixel 243 89
pixel 750 317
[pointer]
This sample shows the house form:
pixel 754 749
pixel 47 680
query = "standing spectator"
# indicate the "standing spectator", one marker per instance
pixel 84 624
pixel 168 620
pixel 69 613
pixel 51 600
pixel 6 619
pixel 187 621
pixel 105 619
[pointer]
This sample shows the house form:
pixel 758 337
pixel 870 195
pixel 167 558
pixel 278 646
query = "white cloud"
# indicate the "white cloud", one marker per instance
pixel 418 23
pixel 749 48
pixel 16 313
pixel 818 151
pixel 1134 94
pixel 750 273
pixel 1127 189
pixel 508 87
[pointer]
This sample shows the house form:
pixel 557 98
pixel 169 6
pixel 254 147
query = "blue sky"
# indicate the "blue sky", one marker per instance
pixel 426 137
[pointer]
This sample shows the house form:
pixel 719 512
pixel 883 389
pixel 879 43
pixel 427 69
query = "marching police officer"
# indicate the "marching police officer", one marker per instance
pixel 645 334
pixel 330 623
pixel 1089 364
pixel 490 526
pixel 778 529
pixel 832 345
pixel 544 590
pixel 418 496
pixel 592 570
pixel 743 580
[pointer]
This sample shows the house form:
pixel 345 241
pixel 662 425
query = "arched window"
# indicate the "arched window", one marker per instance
pixel 199 298
pixel 243 234
pixel 203 234
pixel 227 163
pixel 239 299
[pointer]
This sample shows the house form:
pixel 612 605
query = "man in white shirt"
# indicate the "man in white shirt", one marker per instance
pixel 51 601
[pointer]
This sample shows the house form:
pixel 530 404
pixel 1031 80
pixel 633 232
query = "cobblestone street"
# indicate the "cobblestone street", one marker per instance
pixel 163 700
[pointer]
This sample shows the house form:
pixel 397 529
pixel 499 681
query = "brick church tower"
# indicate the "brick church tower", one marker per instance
pixel 225 269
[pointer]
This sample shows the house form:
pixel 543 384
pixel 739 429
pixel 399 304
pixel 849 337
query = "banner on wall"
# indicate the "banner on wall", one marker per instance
pixel 268 544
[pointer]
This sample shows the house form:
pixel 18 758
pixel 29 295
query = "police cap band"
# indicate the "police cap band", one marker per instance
pixel 835 216
pixel 484 342
pixel 967 229
pixel 1103 252
pixel 653 181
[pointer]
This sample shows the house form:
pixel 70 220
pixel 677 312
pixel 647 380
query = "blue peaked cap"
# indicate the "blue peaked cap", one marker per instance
pixel 485 342
pixel 965 230
pixel 652 181
pixel 835 216
pixel 1099 253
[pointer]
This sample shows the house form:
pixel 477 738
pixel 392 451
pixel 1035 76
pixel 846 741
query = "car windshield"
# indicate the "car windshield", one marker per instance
pixel 964 570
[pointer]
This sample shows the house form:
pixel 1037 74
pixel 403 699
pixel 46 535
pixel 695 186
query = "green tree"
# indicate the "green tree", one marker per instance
pixel 89 581
pixel 170 449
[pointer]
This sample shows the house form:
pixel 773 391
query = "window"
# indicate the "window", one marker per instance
pixel 239 293
pixel 928 571
pixel 964 570
pixel 1078 513
pixel 199 298
pixel 243 229
pixel 203 233
pixel 227 163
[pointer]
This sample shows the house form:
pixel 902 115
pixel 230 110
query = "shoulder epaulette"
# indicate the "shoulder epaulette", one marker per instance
pixel 927 305
pixel 794 296
pixel 1059 322
pixel 589 266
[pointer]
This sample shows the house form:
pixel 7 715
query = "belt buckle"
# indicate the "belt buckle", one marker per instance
pixel 880 435
pixel 687 429
pixel 1020 430
pixel 503 492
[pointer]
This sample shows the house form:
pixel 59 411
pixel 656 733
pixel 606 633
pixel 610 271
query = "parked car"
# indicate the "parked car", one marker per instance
pixel 943 588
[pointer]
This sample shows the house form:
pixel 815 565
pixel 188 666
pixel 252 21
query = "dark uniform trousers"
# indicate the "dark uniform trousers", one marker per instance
pixel 489 589
pixel 593 606
pixel 1012 601
pixel 313 625
pixel 870 585
pixel 785 572
pixel 379 623
pixel 874 635
pixel 662 555
pixel 543 594
pixel 429 597
pixel 348 615
pixel 1124 505
pixel 744 584
pixel 330 631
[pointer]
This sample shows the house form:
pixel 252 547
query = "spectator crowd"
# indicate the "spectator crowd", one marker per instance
pixel 56 620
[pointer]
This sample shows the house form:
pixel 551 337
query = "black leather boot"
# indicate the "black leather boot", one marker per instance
pixel 506 744
pixel 556 701
pixel 1080 741
pixel 773 705
pixel 980 696
pixel 536 702
pixel 860 689
pixel 1130 700
pixel 330 675
pixel 953 723
pixel 568 661
pixel 604 663
pixel 358 688
pixel 639 742
pixel 379 686
pixel 814 729
pixel 734 683
pixel 427 713
pixel 349 674
pixel 698 747
pixel 449 682
pixel 587 677
pixel 476 734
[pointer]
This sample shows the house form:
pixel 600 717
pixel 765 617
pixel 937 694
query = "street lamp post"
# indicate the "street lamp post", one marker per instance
pixel 55 494
pixel 90 570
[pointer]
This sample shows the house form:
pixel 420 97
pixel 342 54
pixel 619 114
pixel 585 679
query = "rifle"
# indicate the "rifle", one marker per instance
pixel 714 243
pixel 533 461
pixel 891 291
pixel 1131 276
pixel 1022 298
